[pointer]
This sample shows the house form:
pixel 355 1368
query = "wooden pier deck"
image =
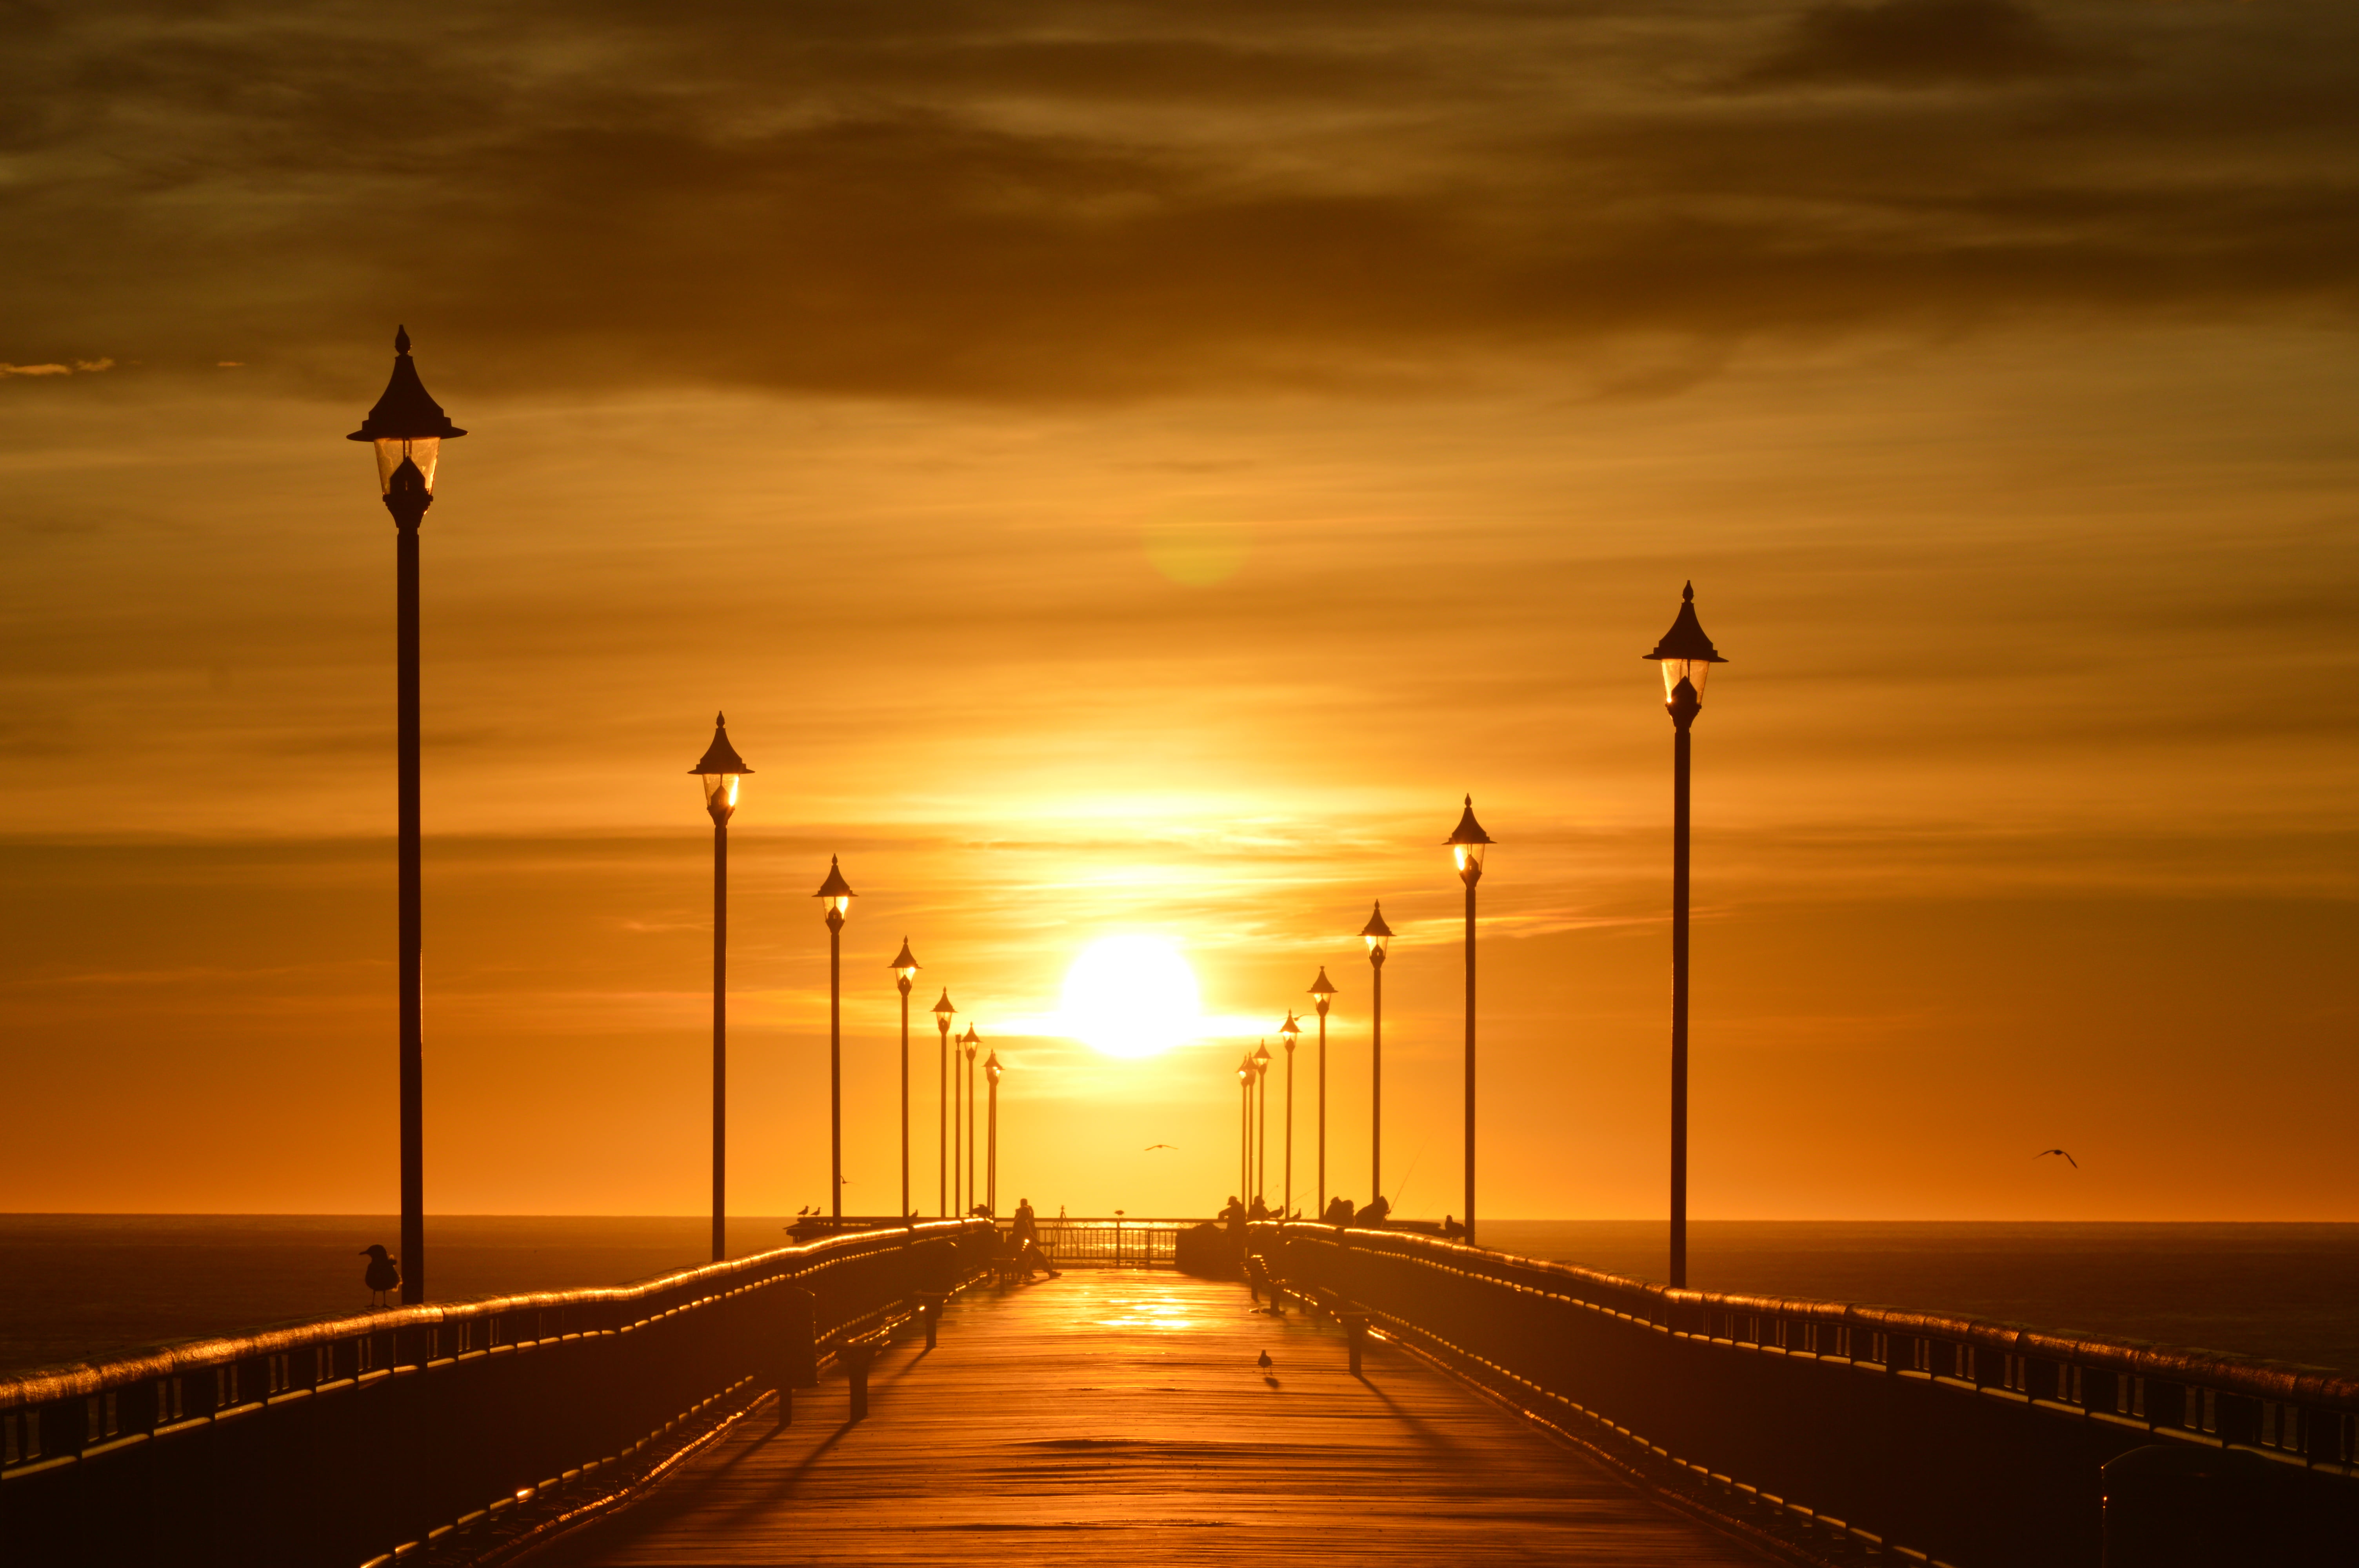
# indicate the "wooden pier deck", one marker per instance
pixel 1119 1416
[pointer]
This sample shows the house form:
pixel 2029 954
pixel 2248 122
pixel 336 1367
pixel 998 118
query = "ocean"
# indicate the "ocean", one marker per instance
pixel 73 1286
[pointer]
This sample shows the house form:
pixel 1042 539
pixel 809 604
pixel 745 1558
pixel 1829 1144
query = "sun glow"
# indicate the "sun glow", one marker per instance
pixel 1131 996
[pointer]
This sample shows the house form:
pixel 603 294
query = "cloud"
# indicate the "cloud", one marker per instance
pixel 85 367
pixel 1047 202
pixel 1918 43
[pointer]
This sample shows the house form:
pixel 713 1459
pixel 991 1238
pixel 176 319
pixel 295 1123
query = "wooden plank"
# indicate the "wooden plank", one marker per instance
pixel 1120 1416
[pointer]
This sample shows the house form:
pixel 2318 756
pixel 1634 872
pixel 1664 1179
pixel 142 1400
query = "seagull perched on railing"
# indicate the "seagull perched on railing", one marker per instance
pixel 2068 1159
pixel 383 1274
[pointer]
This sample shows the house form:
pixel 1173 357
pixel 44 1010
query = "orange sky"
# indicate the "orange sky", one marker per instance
pixel 1118 479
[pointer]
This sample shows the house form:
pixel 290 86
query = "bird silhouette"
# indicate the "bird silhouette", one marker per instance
pixel 1264 1362
pixel 2068 1159
pixel 383 1274
pixel 1153 1147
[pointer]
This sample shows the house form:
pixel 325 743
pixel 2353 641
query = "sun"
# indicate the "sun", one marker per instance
pixel 1131 996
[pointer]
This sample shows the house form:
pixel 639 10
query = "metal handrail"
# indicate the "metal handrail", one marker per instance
pixel 1837 1415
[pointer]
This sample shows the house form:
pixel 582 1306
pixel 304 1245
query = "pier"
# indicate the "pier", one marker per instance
pixel 891 1395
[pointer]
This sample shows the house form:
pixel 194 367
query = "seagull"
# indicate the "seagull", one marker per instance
pixel 1153 1147
pixel 1264 1362
pixel 383 1274
pixel 2068 1159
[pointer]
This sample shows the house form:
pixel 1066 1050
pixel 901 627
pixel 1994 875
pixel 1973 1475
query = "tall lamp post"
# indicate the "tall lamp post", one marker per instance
pixel 1378 936
pixel 407 428
pixel 1261 1060
pixel 969 1043
pixel 717 775
pixel 839 896
pixel 943 1012
pixel 1244 1133
pixel 1322 993
pixel 1687 656
pixel 991 1071
pixel 904 975
pixel 1291 1031
pixel 1467 841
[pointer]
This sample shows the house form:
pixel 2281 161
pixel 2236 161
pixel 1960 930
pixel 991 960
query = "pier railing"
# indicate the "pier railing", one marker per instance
pixel 343 1442
pixel 1951 1440
pixel 1115 1243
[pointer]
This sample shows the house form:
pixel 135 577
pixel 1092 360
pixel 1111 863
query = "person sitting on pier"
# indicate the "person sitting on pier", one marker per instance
pixel 1338 1211
pixel 1373 1217
pixel 1024 1237
pixel 1259 1211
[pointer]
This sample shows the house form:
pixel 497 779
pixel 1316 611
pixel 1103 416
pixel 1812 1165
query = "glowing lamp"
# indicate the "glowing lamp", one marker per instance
pixel 1321 992
pixel 838 894
pixel 1685 652
pixel 1261 1057
pixel 1292 1030
pixel 905 968
pixel 991 1067
pixel 943 1011
pixel 970 1042
pixel 407 428
pixel 1467 843
pixel 718 772
pixel 1377 934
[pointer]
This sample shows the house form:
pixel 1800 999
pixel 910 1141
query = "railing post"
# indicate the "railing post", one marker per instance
pixel 858 1357
pixel 1355 1334
pixel 929 1307
pixel 798 1347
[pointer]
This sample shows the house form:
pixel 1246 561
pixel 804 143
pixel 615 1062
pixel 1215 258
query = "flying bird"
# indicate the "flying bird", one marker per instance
pixel 383 1273
pixel 1264 1362
pixel 2068 1159
pixel 1153 1147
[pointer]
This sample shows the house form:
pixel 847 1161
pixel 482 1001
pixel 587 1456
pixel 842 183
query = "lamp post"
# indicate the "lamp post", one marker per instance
pixel 1244 1133
pixel 839 896
pixel 904 974
pixel 1261 1059
pixel 943 1012
pixel 969 1043
pixel 717 774
pixel 1322 993
pixel 407 428
pixel 1291 1031
pixel 991 1070
pixel 1687 656
pixel 1467 841
pixel 1378 936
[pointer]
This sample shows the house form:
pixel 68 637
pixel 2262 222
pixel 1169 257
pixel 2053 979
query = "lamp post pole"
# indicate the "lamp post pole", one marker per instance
pixel 407 428
pixel 970 1044
pixel 1686 655
pixel 1290 1031
pixel 1467 843
pixel 942 1012
pixel 717 775
pixel 1378 936
pixel 839 896
pixel 1261 1122
pixel 991 1071
pixel 1322 993
pixel 1244 1133
pixel 904 974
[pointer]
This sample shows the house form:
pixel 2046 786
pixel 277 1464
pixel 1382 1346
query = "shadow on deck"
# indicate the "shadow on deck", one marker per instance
pixel 1122 1416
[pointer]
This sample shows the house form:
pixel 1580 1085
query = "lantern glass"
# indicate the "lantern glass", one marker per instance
pixel 426 451
pixel 718 792
pixel 1693 671
pixel 1468 854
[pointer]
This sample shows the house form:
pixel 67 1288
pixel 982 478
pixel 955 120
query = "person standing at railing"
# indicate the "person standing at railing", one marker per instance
pixel 1024 1240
